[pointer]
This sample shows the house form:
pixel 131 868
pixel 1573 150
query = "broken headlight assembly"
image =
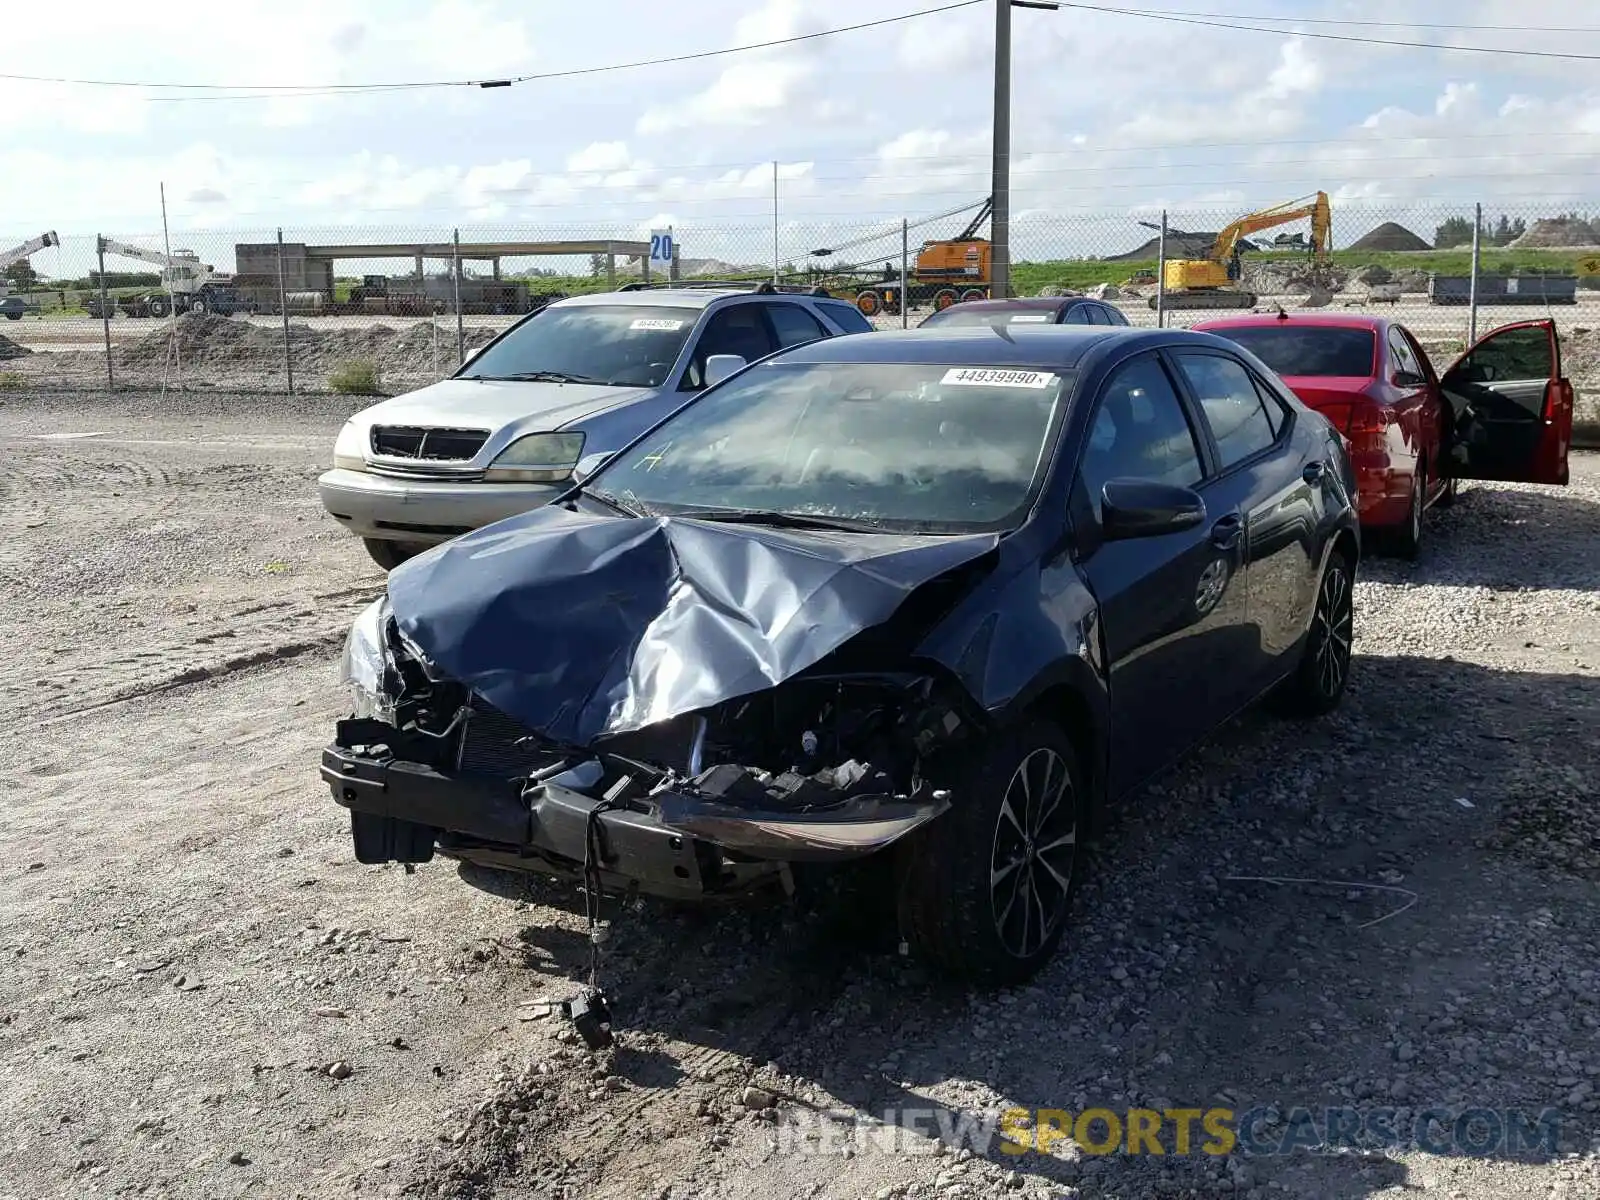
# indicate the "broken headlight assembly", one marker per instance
pixel 365 662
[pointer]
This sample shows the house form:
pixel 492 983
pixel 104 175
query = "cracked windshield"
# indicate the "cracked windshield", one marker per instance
pixel 923 448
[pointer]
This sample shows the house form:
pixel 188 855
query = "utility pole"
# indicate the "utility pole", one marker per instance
pixel 1000 150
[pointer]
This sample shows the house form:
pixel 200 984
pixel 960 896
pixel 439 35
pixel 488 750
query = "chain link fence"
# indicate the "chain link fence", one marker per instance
pixel 379 310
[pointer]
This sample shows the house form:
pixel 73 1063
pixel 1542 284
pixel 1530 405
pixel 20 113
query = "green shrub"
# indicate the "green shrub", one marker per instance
pixel 10 381
pixel 358 378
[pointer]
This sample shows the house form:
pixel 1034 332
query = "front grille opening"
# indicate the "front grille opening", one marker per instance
pixel 435 445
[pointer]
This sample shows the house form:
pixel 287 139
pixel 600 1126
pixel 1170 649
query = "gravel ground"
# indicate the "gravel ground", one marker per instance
pixel 206 996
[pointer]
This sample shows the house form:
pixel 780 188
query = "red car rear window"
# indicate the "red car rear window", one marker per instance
pixel 1308 349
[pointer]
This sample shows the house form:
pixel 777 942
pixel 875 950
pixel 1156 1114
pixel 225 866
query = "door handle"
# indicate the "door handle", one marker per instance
pixel 1313 472
pixel 1225 534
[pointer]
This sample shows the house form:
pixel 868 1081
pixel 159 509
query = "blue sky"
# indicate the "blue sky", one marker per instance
pixel 1114 115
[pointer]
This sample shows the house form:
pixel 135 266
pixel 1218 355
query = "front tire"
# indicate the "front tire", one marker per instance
pixel 984 891
pixel 390 555
pixel 1318 683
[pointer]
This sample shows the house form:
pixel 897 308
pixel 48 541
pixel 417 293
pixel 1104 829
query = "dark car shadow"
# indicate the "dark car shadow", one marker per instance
pixel 1502 537
pixel 1189 981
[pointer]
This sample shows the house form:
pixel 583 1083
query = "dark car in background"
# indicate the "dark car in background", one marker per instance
pixel 936 597
pixel 1032 310
pixel 1503 411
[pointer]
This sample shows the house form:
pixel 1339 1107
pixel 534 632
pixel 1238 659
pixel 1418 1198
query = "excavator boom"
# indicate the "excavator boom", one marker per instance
pixel 1207 282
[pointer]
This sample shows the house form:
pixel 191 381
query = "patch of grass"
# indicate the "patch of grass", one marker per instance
pixel 360 377
pixel 10 381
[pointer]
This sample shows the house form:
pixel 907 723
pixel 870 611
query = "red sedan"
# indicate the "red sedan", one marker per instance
pixel 1503 411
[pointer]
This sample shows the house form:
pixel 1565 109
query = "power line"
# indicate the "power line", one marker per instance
pixel 278 91
pixel 1220 21
pixel 1453 26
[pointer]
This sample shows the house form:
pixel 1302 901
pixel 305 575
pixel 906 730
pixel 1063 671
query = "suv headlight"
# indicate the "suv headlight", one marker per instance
pixel 537 458
pixel 350 449
pixel 364 662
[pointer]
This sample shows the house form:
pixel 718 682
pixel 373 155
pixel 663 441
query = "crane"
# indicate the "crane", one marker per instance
pixel 189 285
pixel 1203 282
pixel 32 246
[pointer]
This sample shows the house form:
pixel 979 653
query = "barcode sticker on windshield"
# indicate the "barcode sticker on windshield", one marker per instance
pixel 656 323
pixel 1029 318
pixel 990 377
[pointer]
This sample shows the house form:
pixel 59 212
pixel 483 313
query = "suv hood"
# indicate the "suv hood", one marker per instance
pixel 580 625
pixel 493 404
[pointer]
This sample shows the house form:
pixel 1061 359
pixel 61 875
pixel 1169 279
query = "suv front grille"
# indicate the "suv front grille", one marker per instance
pixel 436 445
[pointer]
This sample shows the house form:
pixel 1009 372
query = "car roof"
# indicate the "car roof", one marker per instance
pixel 1015 304
pixel 667 297
pixel 1318 320
pixel 1062 346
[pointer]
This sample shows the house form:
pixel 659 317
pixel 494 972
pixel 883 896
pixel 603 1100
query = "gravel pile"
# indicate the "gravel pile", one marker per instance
pixel 10 349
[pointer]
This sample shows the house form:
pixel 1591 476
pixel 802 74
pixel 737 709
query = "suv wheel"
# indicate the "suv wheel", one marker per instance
pixel 984 891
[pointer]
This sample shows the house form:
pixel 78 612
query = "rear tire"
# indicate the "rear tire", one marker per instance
pixel 869 302
pixel 972 294
pixel 943 299
pixel 1318 683
pixel 985 890
pixel 1447 498
pixel 390 555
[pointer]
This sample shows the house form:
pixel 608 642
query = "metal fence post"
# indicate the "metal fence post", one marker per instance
pixel 455 285
pixel 905 256
pixel 1161 274
pixel 1472 286
pixel 774 222
pixel 283 304
pixel 105 311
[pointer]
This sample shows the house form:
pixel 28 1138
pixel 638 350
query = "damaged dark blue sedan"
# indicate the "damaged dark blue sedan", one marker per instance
pixel 934 596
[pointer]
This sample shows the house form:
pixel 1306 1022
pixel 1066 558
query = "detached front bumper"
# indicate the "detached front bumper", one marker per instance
pixel 424 510
pixel 669 844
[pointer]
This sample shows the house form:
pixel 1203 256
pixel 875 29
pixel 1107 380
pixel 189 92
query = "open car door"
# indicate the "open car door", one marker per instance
pixel 1507 410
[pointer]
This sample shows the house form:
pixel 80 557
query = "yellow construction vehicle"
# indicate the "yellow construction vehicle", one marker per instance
pixel 1205 282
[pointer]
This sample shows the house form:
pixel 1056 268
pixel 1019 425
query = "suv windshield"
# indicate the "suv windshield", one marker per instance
pixel 625 345
pixel 908 447
pixel 1308 349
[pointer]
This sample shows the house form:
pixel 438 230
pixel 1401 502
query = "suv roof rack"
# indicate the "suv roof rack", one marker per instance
pixel 760 287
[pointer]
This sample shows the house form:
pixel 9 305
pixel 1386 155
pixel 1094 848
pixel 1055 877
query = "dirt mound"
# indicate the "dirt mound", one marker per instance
pixel 1390 236
pixel 207 340
pixel 1279 278
pixel 9 349
pixel 1559 232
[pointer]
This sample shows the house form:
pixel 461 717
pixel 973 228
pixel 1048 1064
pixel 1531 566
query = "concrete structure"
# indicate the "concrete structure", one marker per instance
pixel 309 268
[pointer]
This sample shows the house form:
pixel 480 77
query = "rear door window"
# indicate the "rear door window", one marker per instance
pixel 1233 408
pixel 1401 355
pixel 794 325
pixel 1078 314
pixel 846 316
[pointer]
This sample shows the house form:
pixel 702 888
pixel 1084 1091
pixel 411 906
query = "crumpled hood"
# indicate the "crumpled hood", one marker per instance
pixel 580 625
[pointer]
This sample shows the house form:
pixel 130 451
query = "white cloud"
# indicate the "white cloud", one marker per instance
pixel 745 94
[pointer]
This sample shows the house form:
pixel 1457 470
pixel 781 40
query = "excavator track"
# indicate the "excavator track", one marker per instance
pixel 1217 299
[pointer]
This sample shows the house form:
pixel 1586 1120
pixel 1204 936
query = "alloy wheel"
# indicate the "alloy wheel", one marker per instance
pixel 1033 853
pixel 1332 627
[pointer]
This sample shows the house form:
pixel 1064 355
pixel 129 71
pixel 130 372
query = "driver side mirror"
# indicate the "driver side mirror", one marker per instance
pixel 1140 508
pixel 720 366
pixel 588 465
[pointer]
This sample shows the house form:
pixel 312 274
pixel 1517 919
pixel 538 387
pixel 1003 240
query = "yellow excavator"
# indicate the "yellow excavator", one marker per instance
pixel 1207 282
